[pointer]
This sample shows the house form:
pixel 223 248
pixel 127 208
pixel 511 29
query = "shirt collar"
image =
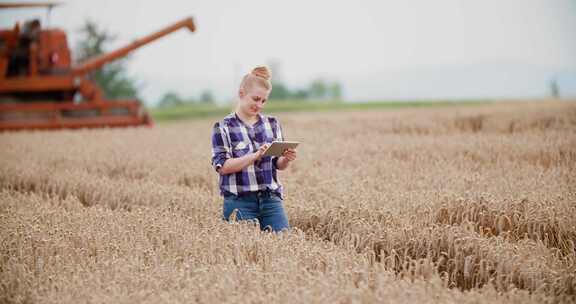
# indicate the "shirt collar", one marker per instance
pixel 259 122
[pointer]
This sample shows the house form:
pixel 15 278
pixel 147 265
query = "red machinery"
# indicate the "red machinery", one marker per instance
pixel 40 89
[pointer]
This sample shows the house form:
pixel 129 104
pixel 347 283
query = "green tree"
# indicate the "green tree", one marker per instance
pixel 111 78
pixel 300 94
pixel 279 91
pixel 554 90
pixel 335 91
pixel 318 89
pixel 170 99
pixel 206 97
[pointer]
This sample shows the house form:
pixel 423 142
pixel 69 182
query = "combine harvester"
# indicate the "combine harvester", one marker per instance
pixel 41 89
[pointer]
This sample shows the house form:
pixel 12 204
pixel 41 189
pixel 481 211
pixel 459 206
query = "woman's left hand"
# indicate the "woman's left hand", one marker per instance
pixel 290 154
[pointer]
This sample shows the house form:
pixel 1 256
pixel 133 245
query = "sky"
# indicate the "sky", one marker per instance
pixel 388 49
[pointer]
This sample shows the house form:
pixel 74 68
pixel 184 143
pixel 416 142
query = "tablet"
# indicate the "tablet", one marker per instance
pixel 278 147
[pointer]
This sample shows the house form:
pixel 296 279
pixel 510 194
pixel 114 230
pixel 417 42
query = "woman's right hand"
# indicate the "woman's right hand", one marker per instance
pixel 258 154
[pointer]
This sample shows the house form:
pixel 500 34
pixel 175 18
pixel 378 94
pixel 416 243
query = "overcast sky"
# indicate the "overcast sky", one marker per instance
pixel 395 49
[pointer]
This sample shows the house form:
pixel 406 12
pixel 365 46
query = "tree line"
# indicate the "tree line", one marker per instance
pixel 318 89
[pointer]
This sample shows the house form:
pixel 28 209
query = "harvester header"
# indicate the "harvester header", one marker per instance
pixel 98 62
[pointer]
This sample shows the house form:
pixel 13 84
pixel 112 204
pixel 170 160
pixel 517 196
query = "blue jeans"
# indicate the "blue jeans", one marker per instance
pixel 265 206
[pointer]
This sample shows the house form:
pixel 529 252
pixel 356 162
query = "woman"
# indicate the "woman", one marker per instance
pixel 248 180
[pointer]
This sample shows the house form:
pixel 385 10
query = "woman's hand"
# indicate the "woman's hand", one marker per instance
pixel 233 165
pixel 287 157
pixel 290 154
pixel 258 154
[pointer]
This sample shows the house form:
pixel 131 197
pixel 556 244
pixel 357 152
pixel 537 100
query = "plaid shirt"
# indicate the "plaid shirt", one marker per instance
pixel 232 138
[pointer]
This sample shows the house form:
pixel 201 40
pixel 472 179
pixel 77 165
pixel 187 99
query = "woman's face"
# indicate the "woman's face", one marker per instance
pixel 252 99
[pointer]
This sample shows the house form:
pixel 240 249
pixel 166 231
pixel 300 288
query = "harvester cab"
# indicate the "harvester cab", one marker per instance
pixel 40 88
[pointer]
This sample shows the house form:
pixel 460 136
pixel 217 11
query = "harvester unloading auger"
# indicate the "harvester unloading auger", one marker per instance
pixel 41 89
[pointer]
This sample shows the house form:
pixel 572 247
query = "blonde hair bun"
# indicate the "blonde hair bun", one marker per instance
pixel 259 76
pixel 262 72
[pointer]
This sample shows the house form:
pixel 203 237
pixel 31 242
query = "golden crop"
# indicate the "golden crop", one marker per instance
pixel 468 204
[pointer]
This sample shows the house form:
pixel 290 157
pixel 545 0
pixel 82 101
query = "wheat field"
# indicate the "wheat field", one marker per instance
pixel 461 204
